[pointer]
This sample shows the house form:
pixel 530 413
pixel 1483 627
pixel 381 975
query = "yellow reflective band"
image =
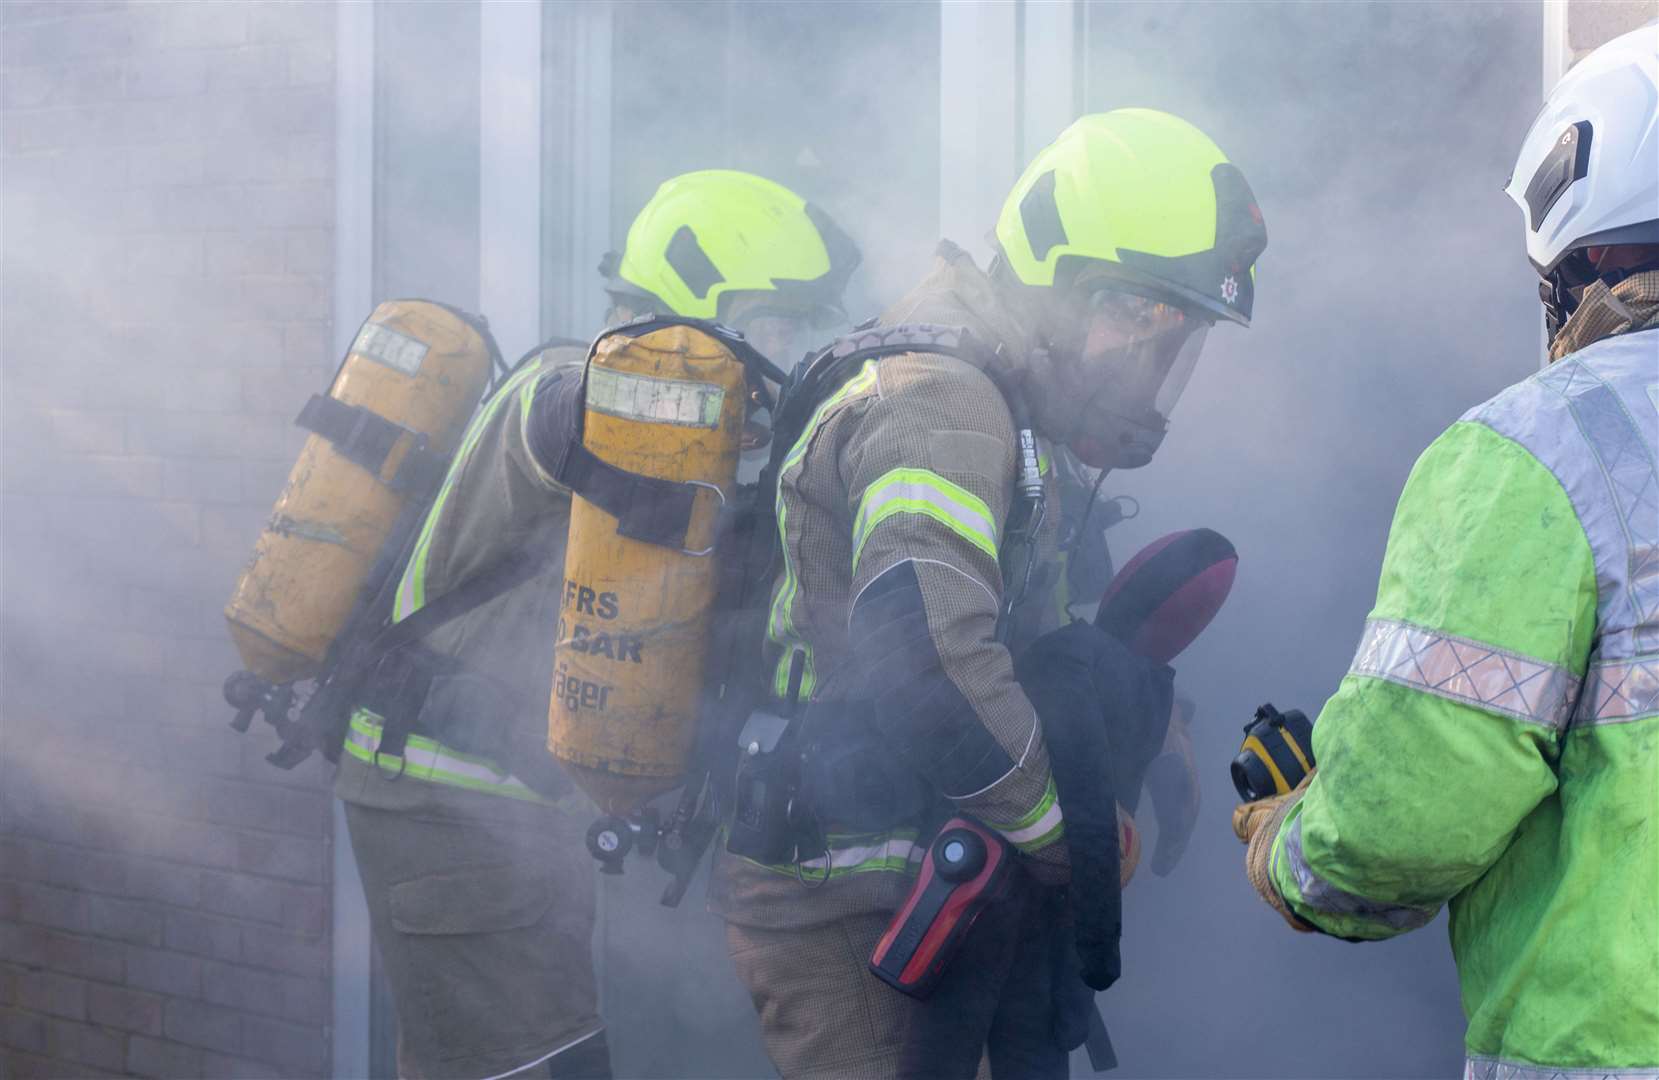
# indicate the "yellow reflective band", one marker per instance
pixel 427 759
pixel 865 379
pixel 411 592
pixel 1040 826
pixel 918 491
pixel 860 853
pixel 780 624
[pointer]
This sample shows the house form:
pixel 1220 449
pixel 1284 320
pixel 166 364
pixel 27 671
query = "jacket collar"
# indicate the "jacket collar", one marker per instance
pixel 1631 305
pixel 956 292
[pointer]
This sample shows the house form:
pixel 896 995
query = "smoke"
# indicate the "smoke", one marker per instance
pixel 1394 294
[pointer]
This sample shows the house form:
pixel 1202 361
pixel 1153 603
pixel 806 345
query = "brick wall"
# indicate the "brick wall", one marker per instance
pixel 168 213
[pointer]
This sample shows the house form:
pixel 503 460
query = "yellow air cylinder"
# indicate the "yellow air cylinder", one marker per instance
pixel 415 363
pixel 633 621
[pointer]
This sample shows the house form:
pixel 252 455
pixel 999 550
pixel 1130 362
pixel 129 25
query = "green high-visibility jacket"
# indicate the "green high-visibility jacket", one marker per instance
pixel 1495 745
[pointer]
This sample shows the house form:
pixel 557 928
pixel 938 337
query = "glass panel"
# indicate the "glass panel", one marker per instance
pixel 426 153
pixel 844 111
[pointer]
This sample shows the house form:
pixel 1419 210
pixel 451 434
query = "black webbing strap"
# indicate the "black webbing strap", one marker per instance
pixel 646 508
pixel 817 377
pixel 366 438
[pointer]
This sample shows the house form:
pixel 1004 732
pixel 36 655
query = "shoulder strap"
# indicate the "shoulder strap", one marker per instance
pixel 818 376
pixel 478 590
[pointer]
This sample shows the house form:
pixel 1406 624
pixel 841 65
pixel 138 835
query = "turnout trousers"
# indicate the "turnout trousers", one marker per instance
pixel 485 931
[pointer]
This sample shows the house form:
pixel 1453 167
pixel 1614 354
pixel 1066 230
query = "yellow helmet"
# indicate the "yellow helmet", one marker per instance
pixel 707 236
pixel 1144 198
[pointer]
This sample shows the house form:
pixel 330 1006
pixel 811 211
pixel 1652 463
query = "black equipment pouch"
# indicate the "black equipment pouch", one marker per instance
pixel 766 789
pixel 767 823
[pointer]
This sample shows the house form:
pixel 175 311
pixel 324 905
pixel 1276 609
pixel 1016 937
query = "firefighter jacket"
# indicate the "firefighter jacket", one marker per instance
pixel 495 500
pixel 1495 745
pixel 892 508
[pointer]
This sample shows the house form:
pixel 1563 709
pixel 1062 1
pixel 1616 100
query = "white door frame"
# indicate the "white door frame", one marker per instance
pixel 1007 87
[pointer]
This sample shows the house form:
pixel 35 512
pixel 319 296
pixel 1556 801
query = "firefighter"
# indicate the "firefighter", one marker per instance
pixel 468 839
pixel 1120 246
pixel 1495 744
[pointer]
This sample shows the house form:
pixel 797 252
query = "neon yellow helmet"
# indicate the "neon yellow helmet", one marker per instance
pixel 708 236
pixel 1145 198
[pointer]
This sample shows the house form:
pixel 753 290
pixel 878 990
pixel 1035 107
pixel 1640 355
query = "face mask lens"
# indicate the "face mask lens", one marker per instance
pixel 781 338
pixel 1180 371
pixel 1121 324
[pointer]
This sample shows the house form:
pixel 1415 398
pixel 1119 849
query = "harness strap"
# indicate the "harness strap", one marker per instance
pixel 366 438
pixel 647 508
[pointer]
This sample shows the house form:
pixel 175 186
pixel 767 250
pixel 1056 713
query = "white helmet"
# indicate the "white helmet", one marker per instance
pixel 1588 171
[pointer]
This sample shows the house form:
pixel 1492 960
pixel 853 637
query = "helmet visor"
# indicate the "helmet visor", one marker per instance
pixel 782 335
pixel 1180 370
pixel 1145 349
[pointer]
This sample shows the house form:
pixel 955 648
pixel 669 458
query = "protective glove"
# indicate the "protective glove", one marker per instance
pixel 1256 824
pixel 1172 781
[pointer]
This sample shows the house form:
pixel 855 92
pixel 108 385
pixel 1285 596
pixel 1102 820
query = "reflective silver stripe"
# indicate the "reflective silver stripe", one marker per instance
pixel 893 853
pixel 1487 1068
pixel 1029 837
pixel 919 491
pixel 1466 671
pixel 1597 400
pixel 1619 691
pixel 1626 461
pixel 425 759
pixel 1038 827
pixel 1323 897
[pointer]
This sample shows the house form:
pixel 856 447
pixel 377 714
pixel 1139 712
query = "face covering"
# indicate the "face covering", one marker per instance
pixel 1136 359
pixel 784 337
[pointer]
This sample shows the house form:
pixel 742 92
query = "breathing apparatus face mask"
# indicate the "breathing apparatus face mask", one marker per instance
pixel 783 336
pixel 1136 358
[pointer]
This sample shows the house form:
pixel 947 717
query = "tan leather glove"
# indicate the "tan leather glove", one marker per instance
pixel 1256 824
